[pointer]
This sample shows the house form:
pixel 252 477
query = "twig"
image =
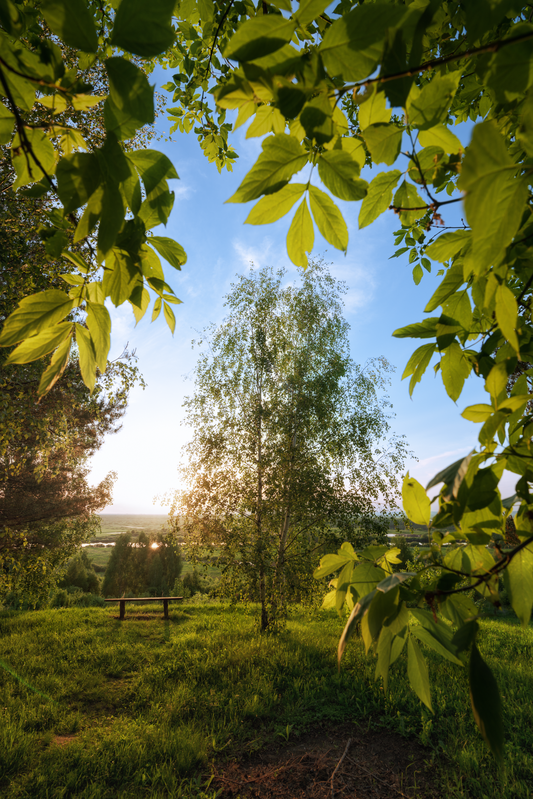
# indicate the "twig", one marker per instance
pixel 339 765
pixel 371 774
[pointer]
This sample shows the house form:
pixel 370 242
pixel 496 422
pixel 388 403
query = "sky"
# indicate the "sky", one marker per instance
pixel 381 297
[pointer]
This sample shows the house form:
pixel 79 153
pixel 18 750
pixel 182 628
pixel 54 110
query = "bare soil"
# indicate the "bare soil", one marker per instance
pixel 332 761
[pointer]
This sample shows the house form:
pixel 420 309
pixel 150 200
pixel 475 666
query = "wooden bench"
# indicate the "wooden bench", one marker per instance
pixel 164 599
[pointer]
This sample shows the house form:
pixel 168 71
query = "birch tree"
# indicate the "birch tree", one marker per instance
pixel 292 450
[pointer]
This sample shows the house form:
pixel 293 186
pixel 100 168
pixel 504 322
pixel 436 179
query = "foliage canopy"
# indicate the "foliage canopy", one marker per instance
pixel 368 83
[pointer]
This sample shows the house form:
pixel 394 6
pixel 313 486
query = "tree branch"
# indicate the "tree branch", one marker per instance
pixel 492 47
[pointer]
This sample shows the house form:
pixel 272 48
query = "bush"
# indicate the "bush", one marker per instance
pixel 80 573
pixel 406 553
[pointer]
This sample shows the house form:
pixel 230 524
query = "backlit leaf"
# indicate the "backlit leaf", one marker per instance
pixel 384 140
pixel 378 197
pixel 43 343
pixel 416 502
pixel 328 218
pixel 170 250
pixel 57 366
pixel 518 578
pixel 87 356
pixel 417 672
pixel 35 313
pixel 339 172
pixel 259 36
pixel 99 324
pixel 281 158
pixel 300 238
pixel 274 206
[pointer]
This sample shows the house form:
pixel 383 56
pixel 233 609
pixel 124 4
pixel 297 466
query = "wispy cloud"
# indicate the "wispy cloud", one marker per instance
pixel 447 454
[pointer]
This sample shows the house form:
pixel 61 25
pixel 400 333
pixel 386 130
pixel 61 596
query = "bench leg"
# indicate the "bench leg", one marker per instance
pixel 122 609
pixel 165 608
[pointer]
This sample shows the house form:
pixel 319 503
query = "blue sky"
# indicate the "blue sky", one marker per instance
pixel 381 297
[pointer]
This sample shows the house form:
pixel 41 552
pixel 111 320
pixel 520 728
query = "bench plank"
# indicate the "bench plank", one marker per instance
pixel 122 599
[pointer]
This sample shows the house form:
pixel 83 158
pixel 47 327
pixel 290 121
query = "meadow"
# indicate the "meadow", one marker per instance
pixel 94 708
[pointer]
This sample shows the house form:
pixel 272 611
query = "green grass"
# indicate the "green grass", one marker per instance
pixel 150 703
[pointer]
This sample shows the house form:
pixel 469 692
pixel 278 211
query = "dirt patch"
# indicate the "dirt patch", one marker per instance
pixel 63 740
pixel 333 761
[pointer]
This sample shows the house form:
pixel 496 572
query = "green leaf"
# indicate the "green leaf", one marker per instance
pixel 37 346
pixel 140 300
pixel 510 73
pixel 427 638
pixel 11 18
pixel 352 46
pixel 453 279
pixel 384 140
pixel 259 37
pixel 339 172
pixel 360 609
pixel 416 502
pixel 25 165
pixel 34 314
pixel 328 218
pixel 301 235
pixel 310 10
pixel 266 120
pixel 405 198
pixel 72 21
pixel 170 250
pixel 274 206
pixel 417 364
pixel 455 368
pixel 154 168
pixel 281 158
pixel 379 196
pixel 112 218
pixel 518 580
pixel 78 177
pixel 57 366
pixel 486 703
pixel 99 324
pixel 507 314
pixel 7 124
pixel 478 413
pixel 373 108
pixel 430 106
pixel 332 563
pixel 448 245
pixel 91 213
pixel 87 356
pixel 144 28
pixel 418 274
pixel 156 209
pixel 120 276
pixel 130 103
pixel 441 136
pixel 417 672
pixel 425 329
pixel 495 198
pixel 156 309
pixel 169 317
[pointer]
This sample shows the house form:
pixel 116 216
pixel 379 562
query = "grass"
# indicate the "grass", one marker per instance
pixel 140 708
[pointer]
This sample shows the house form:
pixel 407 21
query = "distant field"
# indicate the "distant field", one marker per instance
pixel 114 523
